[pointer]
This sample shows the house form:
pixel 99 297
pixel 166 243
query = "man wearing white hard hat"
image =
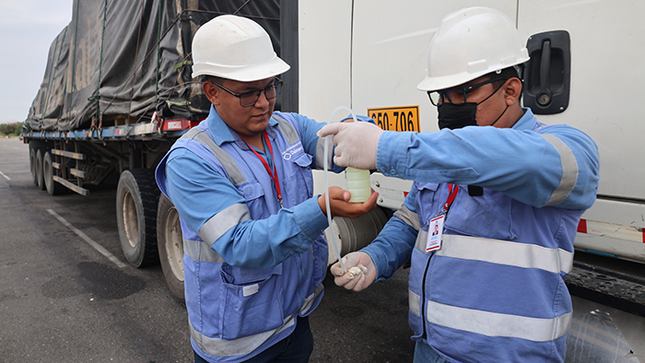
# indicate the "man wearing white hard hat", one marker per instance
pixel 506 190
pixel 255 252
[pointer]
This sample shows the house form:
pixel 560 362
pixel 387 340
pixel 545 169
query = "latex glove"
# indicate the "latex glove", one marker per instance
pixel 356 143
pixel 360 274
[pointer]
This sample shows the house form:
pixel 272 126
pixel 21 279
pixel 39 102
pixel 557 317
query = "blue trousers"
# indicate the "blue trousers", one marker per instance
pixel 423 353
pixel 296 348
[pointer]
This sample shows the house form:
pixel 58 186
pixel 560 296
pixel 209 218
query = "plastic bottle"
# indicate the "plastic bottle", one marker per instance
pixel 358 183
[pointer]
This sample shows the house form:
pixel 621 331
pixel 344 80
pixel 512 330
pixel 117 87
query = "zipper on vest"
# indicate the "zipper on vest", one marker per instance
pixel 423 298
pixel 454 189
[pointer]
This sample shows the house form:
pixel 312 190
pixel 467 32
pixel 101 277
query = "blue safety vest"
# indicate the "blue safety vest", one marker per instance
pixel 494 291
pixel 236 313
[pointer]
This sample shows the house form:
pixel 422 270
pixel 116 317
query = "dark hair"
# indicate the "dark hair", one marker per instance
pixel 506 74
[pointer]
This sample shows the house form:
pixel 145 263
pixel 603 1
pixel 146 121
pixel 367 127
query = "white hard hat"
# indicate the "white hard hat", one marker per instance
pixel 236 48
pixel 469 43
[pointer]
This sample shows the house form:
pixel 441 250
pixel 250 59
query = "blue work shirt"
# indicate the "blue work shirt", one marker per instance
pixel 199 192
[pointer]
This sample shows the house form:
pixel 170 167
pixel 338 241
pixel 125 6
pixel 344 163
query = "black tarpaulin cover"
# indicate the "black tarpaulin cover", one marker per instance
pixel 119 61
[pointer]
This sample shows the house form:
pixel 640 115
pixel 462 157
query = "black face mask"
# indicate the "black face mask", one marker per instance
pixel 457 116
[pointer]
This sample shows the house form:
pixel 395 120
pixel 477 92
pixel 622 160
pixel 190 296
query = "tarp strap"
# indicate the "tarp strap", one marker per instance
pixel 97 96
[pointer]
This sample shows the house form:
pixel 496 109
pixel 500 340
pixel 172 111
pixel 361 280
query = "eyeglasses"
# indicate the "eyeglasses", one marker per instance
pixel 458 95
pixel 248 99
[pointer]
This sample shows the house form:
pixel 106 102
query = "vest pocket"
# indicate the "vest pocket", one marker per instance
pixel 253 194
pixel 415 294
pixel 300 175
pixel 253 301
pixel 320 257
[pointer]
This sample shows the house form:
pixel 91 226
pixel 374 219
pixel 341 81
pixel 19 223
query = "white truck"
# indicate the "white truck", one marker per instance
pixel 585 71
pixel 367 55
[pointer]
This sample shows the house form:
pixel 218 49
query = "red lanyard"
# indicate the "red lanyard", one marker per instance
pixel 274 173
pixel 451 197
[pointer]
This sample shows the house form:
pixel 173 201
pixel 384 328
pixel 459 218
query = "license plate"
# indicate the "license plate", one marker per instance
pixel 404 118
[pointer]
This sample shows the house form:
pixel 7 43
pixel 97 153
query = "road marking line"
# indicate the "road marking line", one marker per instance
pixel 87 239
pixel 6 177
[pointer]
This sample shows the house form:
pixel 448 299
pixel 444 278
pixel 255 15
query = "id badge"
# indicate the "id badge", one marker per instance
pixel 435 229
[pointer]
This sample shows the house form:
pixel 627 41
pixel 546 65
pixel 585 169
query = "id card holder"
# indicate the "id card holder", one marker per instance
pixel 435 229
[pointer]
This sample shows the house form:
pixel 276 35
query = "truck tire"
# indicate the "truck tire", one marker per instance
pixel 33 164
pixel 52 187
pixel 171 247
pixel 40 182
pixel 354 234
pixel 137 197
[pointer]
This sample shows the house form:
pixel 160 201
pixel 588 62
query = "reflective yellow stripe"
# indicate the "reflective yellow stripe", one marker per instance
pixel 496 324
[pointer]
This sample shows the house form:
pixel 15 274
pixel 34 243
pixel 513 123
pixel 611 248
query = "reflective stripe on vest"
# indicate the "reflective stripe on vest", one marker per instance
pixel 501 252
pixel 292 137
pixel 201 251
pixel 241 346
pixel 234 173
pixel 492 324
pixel 287 130
pixel 409 217
pixel 569 170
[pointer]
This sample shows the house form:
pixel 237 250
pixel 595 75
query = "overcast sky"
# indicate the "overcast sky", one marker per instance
pixel 27 29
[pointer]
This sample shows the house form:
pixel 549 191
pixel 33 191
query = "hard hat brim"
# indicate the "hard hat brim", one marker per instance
pixel 453 80
pixel 256 72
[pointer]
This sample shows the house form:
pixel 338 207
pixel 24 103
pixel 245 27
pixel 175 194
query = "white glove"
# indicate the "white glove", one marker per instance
pixel 356 143
pixel 360 274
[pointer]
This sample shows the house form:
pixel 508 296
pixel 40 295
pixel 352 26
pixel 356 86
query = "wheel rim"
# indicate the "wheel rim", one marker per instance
pixel 33 166
pixel 174 244
pixel 39 168
pixel 47 174
pixel 130 220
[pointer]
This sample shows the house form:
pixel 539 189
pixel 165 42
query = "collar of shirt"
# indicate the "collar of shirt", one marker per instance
pixel 526 122
pixel 221 133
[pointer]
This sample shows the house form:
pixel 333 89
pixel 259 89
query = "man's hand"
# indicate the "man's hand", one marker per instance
pixel 340 205
pixel 356 143
pixel 360 274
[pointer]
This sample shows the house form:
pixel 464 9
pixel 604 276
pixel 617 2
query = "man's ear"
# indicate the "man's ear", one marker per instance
pixel 211 91
pixel 512 90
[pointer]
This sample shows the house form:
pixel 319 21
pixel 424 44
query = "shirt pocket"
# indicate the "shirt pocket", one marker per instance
pixel 426 194
pixel 253 301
